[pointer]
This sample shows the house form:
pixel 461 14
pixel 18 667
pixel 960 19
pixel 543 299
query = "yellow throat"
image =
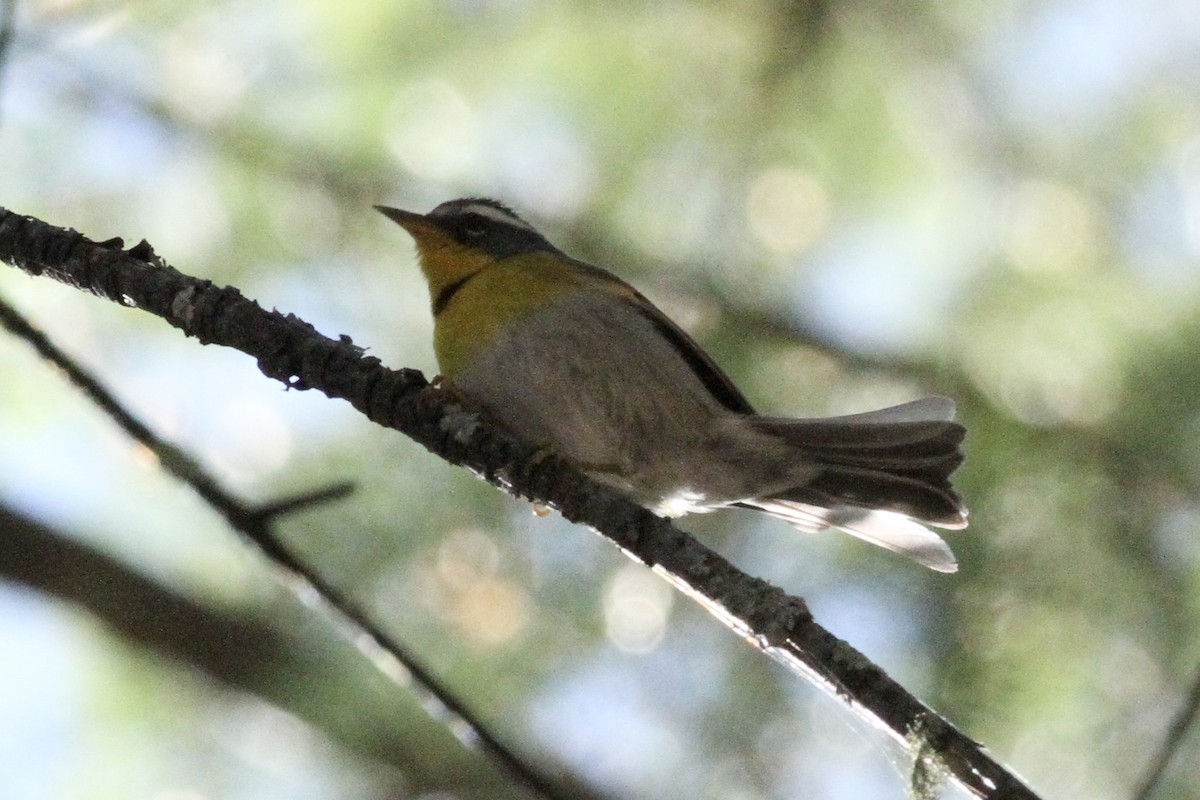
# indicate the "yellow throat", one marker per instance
pixel 475 295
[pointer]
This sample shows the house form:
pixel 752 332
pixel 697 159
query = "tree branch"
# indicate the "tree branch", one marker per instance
pixel 8 29
pixel 247 654
pixel 385 652
pixel 293 352
pixel 1184 718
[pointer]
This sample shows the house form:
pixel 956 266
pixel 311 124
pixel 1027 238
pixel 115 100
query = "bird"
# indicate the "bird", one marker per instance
pixel 569 357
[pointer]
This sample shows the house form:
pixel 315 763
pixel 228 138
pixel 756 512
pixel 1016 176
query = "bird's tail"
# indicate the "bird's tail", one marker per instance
pixel 882 473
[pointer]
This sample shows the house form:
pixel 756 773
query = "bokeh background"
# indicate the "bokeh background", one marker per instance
pixel 850 204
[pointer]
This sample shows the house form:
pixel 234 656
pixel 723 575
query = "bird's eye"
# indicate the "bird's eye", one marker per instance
pixel 473 228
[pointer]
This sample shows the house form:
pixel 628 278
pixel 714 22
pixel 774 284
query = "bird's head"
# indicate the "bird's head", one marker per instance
pixel 461 237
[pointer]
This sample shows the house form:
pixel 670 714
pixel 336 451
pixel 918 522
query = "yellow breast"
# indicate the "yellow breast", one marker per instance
pixel 493 300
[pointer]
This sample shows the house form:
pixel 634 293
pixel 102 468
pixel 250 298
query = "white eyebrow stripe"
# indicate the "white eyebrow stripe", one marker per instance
pixel 496 215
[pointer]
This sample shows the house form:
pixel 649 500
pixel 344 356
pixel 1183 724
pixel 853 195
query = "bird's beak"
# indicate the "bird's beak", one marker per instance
pixel 416 224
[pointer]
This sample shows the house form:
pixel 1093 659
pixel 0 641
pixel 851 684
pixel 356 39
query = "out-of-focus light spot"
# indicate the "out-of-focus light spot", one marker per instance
pixel 467 557
pixel 787 209
pixel 492 612
pixel 433 132
pixel 1050 227
pixel 465 588
pixel 636 607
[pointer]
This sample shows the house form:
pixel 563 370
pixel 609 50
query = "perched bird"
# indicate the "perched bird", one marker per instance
pixel 570 357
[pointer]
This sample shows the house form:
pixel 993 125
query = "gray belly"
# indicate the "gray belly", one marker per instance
pixel 595 381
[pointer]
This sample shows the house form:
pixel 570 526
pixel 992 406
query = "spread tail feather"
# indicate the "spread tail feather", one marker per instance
pixel 883 473
pixel 887 529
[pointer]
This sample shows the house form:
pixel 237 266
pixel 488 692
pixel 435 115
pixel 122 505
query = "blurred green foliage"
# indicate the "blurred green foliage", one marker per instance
pixel 850 204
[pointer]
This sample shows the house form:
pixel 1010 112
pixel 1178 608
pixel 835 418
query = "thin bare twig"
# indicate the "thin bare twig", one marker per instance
pixel 247 652
pixel 387 653
pixel 8 33
pixel 8 27
pixel 1184 719
pixel 292 351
